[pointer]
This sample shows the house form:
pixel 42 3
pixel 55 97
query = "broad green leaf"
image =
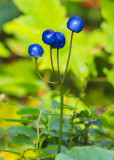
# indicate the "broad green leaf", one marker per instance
pixel 105 143
pixel 108 38
pixel 7 6
pixel 5 150
pixel 19 120
pixel 97 123
pixel 82 153
pixel 107 120
pixel 32 111
pixel 22 140
pixel 19 83
pixel 54 9
pixel 108 10
pixel 22 130
pixel 110 75
pixel 52 133
pixel 75 103
pixel 2 131
pixel 63 149
pixel 94 114
pixel 54 123
pixel 3 51
pixel 56 104
pixel 1 158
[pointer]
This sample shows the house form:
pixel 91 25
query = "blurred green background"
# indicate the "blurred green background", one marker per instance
pixel 91 70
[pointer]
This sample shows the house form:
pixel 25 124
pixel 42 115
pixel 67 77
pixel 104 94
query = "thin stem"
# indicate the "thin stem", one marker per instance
pixel 38 133
pixel 61 118
pixel 51 59
pixel 68 55
pixel 61 107
pixel 23 156
pixel 58 65
pixel 72 125
pixel 36 65
pixel 38 136
pixel 40 146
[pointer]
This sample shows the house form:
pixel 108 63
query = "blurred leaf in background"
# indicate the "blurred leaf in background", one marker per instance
pixel 8 11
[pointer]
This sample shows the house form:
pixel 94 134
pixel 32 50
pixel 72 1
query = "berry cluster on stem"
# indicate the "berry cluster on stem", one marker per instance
pixel 56 40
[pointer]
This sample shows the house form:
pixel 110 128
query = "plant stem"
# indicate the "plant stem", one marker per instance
pixel 68 55
pixel 61 93
pixel 61 118
pixel 38 136
pixel 51 59
pixel 61 107
pixel 71 132
pixel 36 66
pixel 60 79
pixel 38 133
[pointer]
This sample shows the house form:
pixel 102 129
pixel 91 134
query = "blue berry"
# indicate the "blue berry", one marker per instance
pixel 35 50
pixel 59 41
pixel 48 36
pixel 75 24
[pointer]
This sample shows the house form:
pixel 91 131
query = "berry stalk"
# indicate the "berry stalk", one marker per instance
pixel 68 55
pixel 61 118
pixel 51 59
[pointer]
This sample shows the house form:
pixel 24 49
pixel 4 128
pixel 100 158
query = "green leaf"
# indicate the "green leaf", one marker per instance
pixel 63 148
pixel 3 51
pixel 22 130
pixel 107 120
pixel 2 131
pixel 22 139
pixel 5 150
pixel 29 110
pixel 1 158
pixel 56 104
pixel 7 6
pixel 82 153
pixel 54 9
pixel 97 123
pixel 19 120
pixel 106 143
pixel 19 83
pixel 52 133
pixel 108 10
pixel 110 75
pixel 54 123
pixel 94 114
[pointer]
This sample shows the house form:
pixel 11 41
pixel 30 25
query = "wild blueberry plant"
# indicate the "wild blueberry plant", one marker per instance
pixel 57 40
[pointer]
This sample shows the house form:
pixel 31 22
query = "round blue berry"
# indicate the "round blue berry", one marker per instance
pixel 48 36
pixel 35 50
pixel 59 41
pixel 75 24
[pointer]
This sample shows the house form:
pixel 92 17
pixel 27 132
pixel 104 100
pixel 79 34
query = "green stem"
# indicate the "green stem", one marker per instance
pixel 61 107
pixel 60 79
pixel 38 133
pixel 61 118
pixel 38 136
pixel 36 65
pixel 51 59
pixel 23 156
pixel 61 93
pixel 72 125
pixel 68 55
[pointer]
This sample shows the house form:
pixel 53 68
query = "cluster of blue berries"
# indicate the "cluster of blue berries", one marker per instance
pixel 56 39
